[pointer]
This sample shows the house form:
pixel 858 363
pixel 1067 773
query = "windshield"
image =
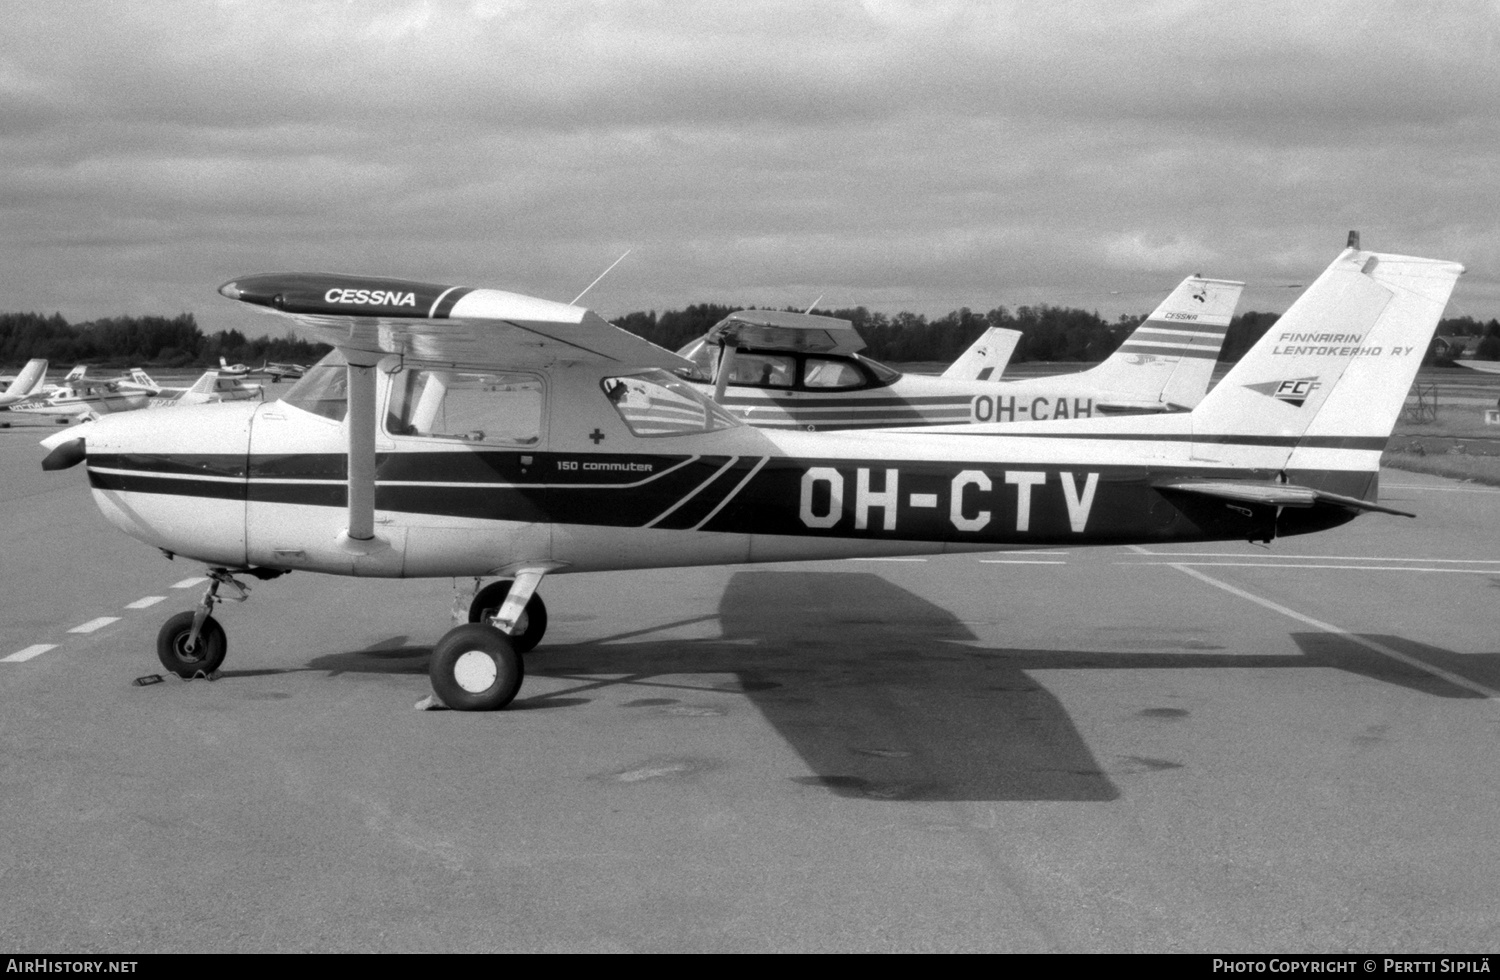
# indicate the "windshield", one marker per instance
pixel 654 403
pixel 324 389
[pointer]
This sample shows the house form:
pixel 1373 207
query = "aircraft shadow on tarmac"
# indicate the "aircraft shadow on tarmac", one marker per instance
pixel 885 695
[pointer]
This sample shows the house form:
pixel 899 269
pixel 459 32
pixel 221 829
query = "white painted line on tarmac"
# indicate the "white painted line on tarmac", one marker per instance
pixel 188 583
pixel 95 624
pixel 1240 554
pixel 147 602
pixel 35 650
pixel 887 559
pixel 1354 568
pixel 1379 648
pixel 1025 561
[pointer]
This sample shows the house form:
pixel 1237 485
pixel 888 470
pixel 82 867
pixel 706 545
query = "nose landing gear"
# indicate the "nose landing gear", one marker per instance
pixel 193 644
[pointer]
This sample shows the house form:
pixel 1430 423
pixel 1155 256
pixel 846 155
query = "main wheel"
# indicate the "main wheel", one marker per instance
pixel 205 657
pixel 475 668
pixel 529 628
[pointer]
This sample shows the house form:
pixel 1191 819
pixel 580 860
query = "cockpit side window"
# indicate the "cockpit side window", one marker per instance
pixel 324 389
pixel 473 406
pixel 654 404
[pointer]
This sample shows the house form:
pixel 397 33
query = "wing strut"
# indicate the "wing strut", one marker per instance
pixel 361 373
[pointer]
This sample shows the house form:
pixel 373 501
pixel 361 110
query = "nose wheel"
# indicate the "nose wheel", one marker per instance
pixel 193 644
pixel 186 655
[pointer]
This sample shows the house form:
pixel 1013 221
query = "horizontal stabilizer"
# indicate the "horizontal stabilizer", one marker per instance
pixel 1487 367
pixel 1275 494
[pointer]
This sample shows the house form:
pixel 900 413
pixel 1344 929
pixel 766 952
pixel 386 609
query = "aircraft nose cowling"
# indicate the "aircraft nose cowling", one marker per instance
pixel 175 478
pixel 66 456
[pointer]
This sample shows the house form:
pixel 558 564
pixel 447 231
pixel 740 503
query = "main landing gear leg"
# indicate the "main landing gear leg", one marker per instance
pixel 477 666
pixel 193 644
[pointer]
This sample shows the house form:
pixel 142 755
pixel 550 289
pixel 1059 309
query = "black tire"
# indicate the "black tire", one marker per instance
pixel 475 668
pixel 533 618
pixel 171 646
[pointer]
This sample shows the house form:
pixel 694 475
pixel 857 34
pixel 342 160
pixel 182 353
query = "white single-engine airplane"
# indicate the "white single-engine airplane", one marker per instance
pixel 783 370
pixel 474 433
pixel 209 387
pixel 81 397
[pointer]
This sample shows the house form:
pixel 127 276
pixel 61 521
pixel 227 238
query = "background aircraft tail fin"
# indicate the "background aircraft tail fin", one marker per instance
pixel 31 378
pixel 986 358
pixel 1330 377
pixel 205 384
pixel 142 378
pixel 1169 359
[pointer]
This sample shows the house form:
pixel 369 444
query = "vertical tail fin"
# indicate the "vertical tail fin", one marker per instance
pixel 986 358
pixel 1169 359
pixel 205 384
pixel 143 379
pixel 1321 391
pixel 31 378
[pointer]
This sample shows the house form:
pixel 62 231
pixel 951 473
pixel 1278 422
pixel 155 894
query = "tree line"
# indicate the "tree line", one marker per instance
pixel 1048 333
pixel 146 341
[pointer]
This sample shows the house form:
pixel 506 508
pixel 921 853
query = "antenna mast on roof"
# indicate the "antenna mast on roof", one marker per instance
pixel 601 276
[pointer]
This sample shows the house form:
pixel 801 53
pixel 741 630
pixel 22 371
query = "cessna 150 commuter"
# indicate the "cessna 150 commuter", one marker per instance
pixel 473 433
pixel 799 371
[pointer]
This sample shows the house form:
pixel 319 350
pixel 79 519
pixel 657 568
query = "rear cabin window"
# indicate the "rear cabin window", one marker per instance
pixel 472 406
pixel 656 404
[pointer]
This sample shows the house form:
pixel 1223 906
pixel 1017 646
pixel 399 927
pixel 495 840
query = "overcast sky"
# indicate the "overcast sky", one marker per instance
pixel 895 154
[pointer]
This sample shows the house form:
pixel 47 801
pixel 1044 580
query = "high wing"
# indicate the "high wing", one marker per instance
pixel 456 324
pixel 782 330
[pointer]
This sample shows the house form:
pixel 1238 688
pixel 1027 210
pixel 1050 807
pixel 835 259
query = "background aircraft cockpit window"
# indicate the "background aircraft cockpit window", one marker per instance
pixel 475 406
pixel 324 389
pixel 704 356
pixel 769 370
pixel 820 372
pixel 656 404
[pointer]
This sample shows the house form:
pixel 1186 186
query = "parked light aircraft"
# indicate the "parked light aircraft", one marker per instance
pixel 474 433
pixel 26 385
pixel 228 370
pixel 276 371
pixel 801 371
pixel 208 388
pixel 81 397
